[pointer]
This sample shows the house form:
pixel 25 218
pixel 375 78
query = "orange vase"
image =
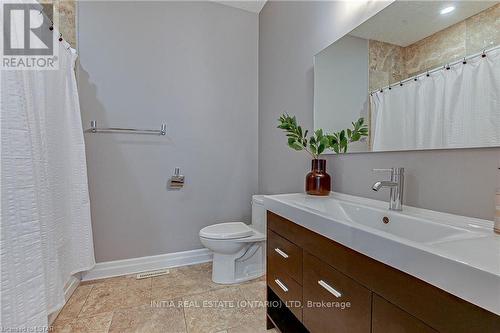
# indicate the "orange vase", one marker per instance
pixel 318 182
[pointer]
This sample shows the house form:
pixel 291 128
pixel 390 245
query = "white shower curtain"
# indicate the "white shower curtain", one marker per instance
pixel 45 230
pixel 452 108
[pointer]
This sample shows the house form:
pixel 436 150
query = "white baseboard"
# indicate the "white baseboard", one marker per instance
pixel 69 289
pixel 73 283
pixel 136 265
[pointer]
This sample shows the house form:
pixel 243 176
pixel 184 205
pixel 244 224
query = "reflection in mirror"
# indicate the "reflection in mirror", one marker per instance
pixel 423 75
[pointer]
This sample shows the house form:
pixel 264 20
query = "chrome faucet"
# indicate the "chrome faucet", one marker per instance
pixel 396 185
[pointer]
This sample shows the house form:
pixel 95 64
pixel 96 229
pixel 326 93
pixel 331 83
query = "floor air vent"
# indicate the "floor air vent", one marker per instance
pixel 145 275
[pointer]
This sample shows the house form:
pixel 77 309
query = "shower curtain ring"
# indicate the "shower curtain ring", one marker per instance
pixel 60 37
pixel 484 54
pixel 465 61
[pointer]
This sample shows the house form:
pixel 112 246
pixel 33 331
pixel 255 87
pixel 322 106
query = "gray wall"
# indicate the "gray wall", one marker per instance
pixel 341 83
pixel 290 34
pixel 194 66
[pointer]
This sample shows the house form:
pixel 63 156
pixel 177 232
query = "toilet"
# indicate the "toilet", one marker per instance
pixel 238 249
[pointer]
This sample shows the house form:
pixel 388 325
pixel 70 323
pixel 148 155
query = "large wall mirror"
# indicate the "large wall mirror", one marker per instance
pixel 421 75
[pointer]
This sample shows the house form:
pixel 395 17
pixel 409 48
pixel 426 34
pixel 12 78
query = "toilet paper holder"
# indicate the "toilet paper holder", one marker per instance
pixel 177 180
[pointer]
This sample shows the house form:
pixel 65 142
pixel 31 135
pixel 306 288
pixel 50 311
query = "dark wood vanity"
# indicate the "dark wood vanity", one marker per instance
pixel 317 285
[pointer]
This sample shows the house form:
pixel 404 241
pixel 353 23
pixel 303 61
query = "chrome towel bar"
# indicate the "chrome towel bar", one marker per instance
pixel 94 129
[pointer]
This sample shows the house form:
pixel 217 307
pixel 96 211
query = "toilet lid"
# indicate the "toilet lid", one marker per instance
pixel 228 230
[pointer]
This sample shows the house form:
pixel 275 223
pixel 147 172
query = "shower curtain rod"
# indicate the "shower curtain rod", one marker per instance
pixel 440 68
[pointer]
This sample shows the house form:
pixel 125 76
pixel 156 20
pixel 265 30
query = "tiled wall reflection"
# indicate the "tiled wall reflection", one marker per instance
pixel 63 14
pixel 390 63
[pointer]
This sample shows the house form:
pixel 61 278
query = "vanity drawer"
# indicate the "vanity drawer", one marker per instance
pixel 288 290
pixel 388 318
pixel 333 301
pixel 284 256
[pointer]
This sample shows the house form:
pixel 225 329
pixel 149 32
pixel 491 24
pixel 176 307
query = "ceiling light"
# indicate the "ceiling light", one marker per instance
pixel 447 10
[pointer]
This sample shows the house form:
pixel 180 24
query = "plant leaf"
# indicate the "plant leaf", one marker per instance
pixel 321 148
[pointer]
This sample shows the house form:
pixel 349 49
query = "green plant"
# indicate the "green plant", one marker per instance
pixel 298 140
pixel 317 143
pixel 339 141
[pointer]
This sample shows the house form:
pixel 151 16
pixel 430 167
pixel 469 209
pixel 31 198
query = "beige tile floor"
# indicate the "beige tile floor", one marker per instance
pixel 185 300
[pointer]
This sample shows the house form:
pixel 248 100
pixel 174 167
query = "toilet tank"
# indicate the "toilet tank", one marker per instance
pixel 258 213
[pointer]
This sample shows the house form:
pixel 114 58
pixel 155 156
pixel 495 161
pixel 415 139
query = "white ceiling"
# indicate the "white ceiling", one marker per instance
pixel 405 22
pixel 254 6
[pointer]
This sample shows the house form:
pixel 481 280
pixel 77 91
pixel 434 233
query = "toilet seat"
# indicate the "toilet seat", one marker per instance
pixel 227 230
pixel 255 237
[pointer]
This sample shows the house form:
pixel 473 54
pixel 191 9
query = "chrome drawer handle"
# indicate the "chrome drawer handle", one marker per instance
pixel 281 285
pixel 329 288
pixel 281 253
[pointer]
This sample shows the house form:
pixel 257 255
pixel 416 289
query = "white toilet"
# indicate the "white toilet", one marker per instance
pixel 239 250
